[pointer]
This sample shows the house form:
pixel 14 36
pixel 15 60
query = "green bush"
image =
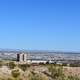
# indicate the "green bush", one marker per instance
pixel 73 78
pixel 35 76
pixel 64 64
pixel 15 73
pixel 23 66
pixel 56 72
pixel 75 65
pixel 11 65
pixel 1 63
pixel 10 79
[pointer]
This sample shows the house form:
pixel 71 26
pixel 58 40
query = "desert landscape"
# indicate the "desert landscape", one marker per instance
pixel 14 71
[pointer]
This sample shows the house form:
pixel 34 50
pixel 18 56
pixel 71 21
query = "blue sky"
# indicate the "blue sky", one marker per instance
pixel 40 24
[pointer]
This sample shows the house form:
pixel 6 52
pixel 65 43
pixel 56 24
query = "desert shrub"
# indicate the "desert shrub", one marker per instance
pixel 64 64
pixel 23 66
pixel 11 65
pixel 75 65
pixel 1 63
pixel 15 73
pixel 10 79
pixel 47 62
pixel 41 63
pixel 35 76
pixel 73 78
pixel 56 72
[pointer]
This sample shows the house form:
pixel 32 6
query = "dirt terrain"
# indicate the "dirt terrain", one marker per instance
pixel 68 71
pixel 74 71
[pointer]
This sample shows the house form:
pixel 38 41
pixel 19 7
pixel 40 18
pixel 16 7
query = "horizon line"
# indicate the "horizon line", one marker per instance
pixel 37 50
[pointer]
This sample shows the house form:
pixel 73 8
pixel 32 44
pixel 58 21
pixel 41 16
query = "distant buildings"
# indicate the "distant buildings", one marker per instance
pixel 37 61
pixel 22 57
pixel 32 58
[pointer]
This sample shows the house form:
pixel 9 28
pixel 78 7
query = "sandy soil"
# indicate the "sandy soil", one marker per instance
pixel 74 71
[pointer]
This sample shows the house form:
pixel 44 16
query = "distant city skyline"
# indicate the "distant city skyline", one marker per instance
pixel 40 25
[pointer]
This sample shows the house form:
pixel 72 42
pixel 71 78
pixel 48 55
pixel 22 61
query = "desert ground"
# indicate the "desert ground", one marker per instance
pixel 12 71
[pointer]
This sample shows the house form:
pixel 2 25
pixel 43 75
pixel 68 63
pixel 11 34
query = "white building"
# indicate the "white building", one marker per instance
pixel 21 57
pixel 37 61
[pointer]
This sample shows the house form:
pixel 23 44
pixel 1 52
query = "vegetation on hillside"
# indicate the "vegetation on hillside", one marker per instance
pixel 29 72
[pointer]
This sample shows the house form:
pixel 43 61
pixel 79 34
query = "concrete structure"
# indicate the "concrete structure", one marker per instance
pixel 36 61
pixel 22 57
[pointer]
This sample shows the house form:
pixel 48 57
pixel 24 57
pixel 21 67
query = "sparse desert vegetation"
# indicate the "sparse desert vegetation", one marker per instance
pixel 15 71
